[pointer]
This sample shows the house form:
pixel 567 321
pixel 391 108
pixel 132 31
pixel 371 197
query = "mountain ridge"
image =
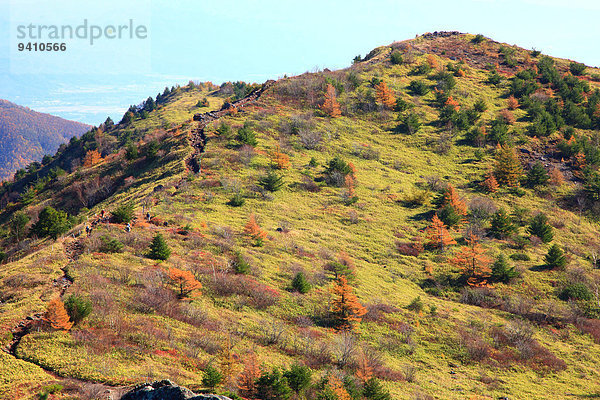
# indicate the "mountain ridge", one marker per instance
pixel 293 188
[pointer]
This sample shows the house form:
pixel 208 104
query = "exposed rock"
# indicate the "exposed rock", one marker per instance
pixel 166 390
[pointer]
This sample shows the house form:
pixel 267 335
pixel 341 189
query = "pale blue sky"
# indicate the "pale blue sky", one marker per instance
pixel 258 40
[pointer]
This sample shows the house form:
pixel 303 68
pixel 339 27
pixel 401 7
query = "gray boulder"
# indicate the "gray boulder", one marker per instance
pixel 166 390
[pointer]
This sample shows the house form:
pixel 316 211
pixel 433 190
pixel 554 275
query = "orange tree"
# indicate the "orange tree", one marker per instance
pixel 508 169
pixel 473 262
pixel 384 95
pixel 438 235
pixel 184 281
pixel 331 106
pixel 254 232
pixel 57 316
pixel 346 310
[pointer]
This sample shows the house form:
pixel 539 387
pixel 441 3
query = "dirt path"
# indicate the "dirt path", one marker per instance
pixel 198 136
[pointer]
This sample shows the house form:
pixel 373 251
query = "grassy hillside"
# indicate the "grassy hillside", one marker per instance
pixel 357 194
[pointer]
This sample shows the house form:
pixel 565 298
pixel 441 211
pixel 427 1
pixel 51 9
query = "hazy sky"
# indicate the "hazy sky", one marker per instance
pixel 258 40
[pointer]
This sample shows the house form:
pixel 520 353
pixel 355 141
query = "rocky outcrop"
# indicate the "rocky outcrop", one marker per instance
pixel 167 390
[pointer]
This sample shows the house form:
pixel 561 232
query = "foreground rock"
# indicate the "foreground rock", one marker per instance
pixel 166 390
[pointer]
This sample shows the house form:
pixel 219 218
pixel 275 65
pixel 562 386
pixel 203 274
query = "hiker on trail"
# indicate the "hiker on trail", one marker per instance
pixel 148 217
pixel 128 228
pixel 102 214
pixel 88 230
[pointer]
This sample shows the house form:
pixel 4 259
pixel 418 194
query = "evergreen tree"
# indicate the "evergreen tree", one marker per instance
pixel 374 390
pixel 273 386
pixel 51 223
pixel 17 223
pixel 211 378
pixel 501 225
pixel 159 250
pixel 131 151
pixel 78 308
pixel 537 175
pixel 555 257
pixel 300 284
pixel 123 214
pixel 540 227
pixel 271 182
pixel 508 170
pixel 502 271
pixel 246 135
pixel 298 377
pixel 152 149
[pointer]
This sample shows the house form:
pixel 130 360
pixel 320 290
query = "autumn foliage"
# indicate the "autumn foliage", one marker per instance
pixel 280 160
pixel 184 281
pixel 473 262
pixel 384 95
pixel 437 234
pixel 254 232
pixel 331 106
pixel 57 316
pixel 512 103
pixel 346 309
pixel 246 381
pixel 490 184
pixel 451 197
pixel 92 157
pixel 508 169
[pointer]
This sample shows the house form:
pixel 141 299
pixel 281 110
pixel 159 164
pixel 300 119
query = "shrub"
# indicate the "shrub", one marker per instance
pixel 480 106
pixel 478 38
pixel 577 68
pixel 159 250
pixel 449 215
pixel 336 171
pixel 246 135
pixel 502 271
pixel 152 149
pixel 520 257
pixel 131 152
pixel 576 291
pixel 396 58
pixel 78 308
pixel 410 123
pixel 239 264
pixel 418 87
pixel 237 200
pixel 110 245
pixel 539 227
pixel 555 257
pixel 123 214
pixel 211 378
pixel 271 182
pixel 416 305
pixel 51 223
pixel 300 284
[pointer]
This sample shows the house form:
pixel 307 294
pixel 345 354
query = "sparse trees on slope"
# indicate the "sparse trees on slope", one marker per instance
pixel 18 222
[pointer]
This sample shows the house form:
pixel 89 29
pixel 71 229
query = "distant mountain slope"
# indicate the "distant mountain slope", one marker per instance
pixel 26 135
